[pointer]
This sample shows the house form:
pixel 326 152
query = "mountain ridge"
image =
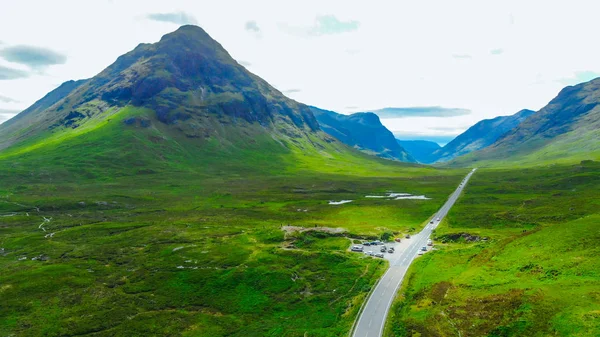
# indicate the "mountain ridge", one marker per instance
pixel 565 130
pixel 421 150
pixel 364 131
pixel 480 135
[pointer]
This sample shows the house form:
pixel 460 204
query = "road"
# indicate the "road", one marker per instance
pixel 372 318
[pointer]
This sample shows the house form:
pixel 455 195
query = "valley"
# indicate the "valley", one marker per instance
pixel 177 193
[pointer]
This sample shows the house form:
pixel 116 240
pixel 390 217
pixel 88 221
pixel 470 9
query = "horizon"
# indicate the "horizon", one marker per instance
pixel 493 70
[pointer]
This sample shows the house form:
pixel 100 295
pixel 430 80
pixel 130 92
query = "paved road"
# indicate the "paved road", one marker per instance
pixel 374 314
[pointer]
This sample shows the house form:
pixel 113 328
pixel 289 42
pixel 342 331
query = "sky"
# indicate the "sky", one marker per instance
pixel 430 68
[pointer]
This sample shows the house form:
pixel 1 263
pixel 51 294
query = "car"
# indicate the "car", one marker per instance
pixel 397 239
pixel 431 221
pixel 421 252
pixel 438 219
pixel 356 248
pixel 429 242
pixel 382 249
pixel 366 244
pixel 424 248
pixel 391 250
pixel 374 243
pixel 370 253
pixel 407 236
pixel 379 255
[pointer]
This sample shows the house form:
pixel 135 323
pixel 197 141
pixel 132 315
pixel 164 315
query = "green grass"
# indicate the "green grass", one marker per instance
pixel 536 275
pixel 156 233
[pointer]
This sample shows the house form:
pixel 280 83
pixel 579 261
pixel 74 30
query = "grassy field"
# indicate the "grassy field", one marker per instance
pixel 538 272
pixel 96 241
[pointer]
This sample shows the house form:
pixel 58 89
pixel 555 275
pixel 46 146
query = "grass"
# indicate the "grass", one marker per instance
pixel 159 234
pixel 536 275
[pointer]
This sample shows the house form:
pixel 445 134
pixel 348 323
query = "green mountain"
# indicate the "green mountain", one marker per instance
pixel 566 130
pixel 180 102
pixel 421 150
pixel 362 131
pixel 480 135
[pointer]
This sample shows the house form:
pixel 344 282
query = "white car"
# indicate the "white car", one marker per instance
pixel 370 253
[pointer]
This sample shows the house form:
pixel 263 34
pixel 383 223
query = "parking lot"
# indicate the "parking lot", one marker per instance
pixel 399 248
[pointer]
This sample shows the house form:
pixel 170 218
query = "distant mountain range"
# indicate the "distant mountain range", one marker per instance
pixel 565 130
pixel 362 131
pixel 480 135
pixel 421 150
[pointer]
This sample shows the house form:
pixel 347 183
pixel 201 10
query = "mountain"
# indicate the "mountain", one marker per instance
pixel 421 150
pixel 180 102
pixel 362 131
pixel 480 135
pixel 565 130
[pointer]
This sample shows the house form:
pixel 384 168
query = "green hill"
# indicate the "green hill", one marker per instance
pixel 564 131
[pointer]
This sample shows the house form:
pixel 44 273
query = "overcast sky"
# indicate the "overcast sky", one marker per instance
pixel 441 65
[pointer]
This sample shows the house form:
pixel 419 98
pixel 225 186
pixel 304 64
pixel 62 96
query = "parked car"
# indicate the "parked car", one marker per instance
pixel 407 236
pixel 421 252
pixel 379 255
pixel 382 249
pixel 366 244
pixel 391 250
pixel 370 253
pixel 429 242
pixel 397 240
pixel 357 248
pixel 424 248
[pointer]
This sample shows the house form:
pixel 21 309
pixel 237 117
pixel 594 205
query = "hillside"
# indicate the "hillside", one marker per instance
pixel 421 150
pixel 564 131
pixel 362 131
pixel 480 135
pixel 149 201
pixel 184 90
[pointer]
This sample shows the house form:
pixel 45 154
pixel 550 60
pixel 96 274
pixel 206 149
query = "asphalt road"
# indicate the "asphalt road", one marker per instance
pixel 372 319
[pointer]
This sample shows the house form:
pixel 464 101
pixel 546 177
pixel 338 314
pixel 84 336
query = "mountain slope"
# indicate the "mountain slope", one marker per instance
pixel 480 135
pixel 421 150
pixel 566 130
pixel 181 104
pixel 363 131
